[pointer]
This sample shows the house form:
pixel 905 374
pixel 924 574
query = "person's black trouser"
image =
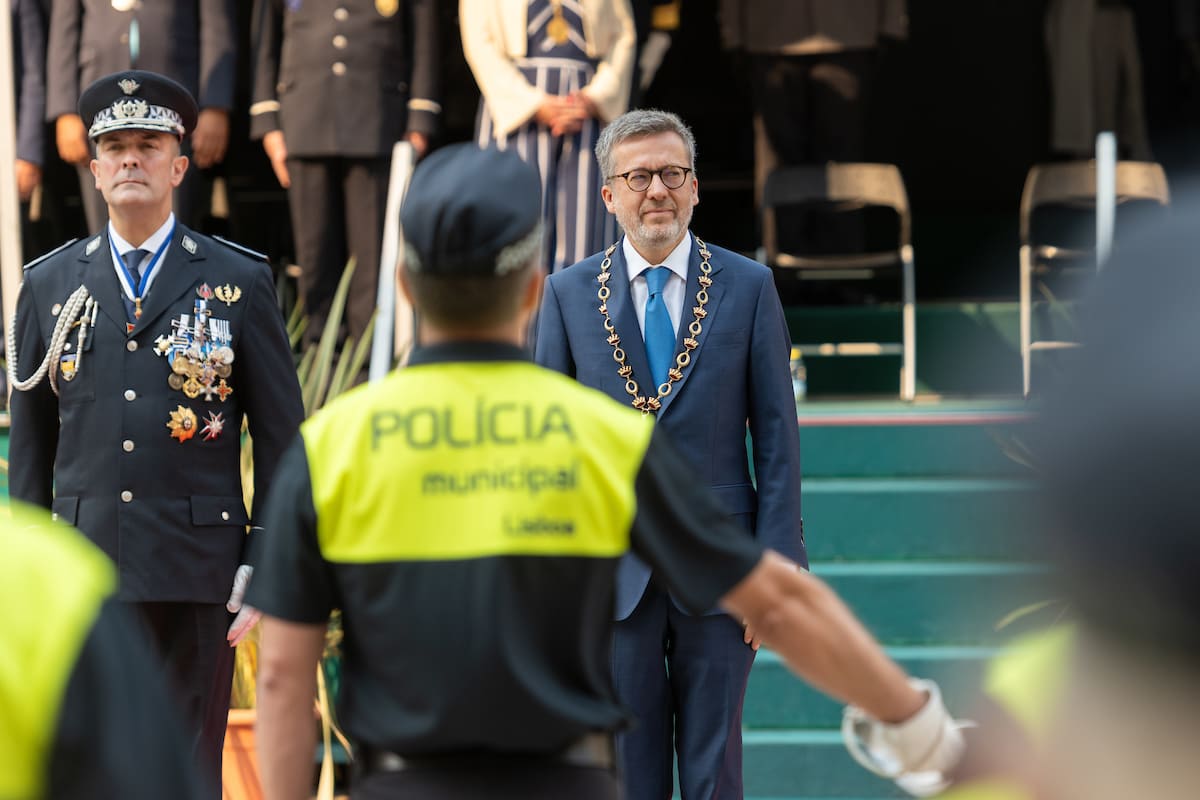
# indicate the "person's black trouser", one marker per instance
pixel 490 778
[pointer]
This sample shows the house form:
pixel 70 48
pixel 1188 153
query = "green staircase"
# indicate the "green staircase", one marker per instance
pixel 920 522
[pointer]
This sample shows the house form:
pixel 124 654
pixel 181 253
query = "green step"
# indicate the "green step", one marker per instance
pixel 806 764
pixel 913 603
pixel 776 699
pixel 906 449
pixel 917 518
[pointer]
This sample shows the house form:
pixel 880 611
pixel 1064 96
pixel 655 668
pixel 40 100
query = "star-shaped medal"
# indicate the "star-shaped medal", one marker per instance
pixel 214 423
pixel 182 424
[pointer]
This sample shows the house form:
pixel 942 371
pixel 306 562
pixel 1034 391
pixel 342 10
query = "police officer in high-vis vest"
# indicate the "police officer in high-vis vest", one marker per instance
pixel 135 356
pixel 84 708
pixel 467 515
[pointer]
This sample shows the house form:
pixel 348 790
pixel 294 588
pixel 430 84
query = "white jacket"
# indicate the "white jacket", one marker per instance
pixel 494 33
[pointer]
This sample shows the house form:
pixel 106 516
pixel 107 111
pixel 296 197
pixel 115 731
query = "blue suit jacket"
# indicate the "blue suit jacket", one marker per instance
pixel 739 374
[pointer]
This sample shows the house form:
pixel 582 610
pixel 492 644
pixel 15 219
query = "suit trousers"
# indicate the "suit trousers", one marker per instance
pixel 337 207
pixel 684 677
pixel 500 778
pixel 191 645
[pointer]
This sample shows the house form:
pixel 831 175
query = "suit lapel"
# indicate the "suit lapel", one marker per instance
pixel 715 293
pixel 177 275
pixel 97 273
pixel 624 317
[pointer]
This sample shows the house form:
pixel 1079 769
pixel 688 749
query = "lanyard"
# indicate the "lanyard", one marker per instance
pixel 136 293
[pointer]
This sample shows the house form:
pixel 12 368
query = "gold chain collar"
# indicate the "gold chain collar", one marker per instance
pixel 650 405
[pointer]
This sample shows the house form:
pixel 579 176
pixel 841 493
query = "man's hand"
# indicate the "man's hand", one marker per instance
pixel 29 175
pixel 562 115
pixel 247 616
pixel 419 142
pixel 70 136
pixel 750 637
pixel 276 149
pixel 211 137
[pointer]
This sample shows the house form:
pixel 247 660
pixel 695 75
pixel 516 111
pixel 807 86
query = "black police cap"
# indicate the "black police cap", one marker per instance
pixel 464 207
pixel 137 100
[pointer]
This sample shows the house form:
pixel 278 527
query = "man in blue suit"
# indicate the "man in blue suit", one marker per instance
pixel 696 335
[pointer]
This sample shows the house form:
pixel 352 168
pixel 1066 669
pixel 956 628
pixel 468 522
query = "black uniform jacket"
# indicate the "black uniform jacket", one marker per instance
pixel 344 78
pixel 169 512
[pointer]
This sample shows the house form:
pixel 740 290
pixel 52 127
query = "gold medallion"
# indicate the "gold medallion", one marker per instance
pixel 557 28
pixel 182 424
pixel 387 8
pixel 175 381
pixel 192 388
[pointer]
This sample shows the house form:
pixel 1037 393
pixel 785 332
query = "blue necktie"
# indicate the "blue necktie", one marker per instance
pixel 133 260
pixel 660 334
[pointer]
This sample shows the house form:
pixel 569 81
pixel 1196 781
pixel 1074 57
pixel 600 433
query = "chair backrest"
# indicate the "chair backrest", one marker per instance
pixel 868 184
pixel 1074 182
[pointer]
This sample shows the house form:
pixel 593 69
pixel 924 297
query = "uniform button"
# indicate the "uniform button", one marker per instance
pixel 338 68
pixel 225 515
pixel 130 395
pixel 131 345
pixel 66 345
pixel 126 496
pixel 127 445
pixel 54 516
pixel 54 309
pixel 341 14
pixel 339 42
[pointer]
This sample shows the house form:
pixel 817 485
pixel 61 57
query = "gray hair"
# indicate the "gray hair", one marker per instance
pixel 636 124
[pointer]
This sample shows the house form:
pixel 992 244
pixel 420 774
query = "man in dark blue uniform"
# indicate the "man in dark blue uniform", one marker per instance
pixel 189 41
pixel 135 356
pixel 468 513
pixel 336 84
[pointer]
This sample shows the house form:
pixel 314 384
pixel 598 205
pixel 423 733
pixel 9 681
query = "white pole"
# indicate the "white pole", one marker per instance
pixel 393 322
pixel 10 209
pixel 1106 195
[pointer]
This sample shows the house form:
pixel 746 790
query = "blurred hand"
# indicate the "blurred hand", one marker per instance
pixel 562 115
pixel 211 137
pixel 247 616
pixel 70 136
pixel 586 104
pixel 419 142
pixel 276 149
pixel 750 637
pixel 29 175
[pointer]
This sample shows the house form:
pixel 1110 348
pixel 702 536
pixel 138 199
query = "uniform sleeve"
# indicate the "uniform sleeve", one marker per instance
pixel 609 87
pixel 31 100
pixel 118 734
pixel 511 100
pixel 62 59
pixel 217 56
pixel 683 534
pixel 267 38
pixel 33 415
pixel 291 579
pixel 270 388
pixel 423 106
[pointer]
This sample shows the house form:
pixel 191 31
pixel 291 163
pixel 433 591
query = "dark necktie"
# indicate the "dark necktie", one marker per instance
pixel 660 334
pixel 133 260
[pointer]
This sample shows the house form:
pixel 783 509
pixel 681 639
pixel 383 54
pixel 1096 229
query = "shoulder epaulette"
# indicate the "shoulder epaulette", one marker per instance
pixel 246 251
pixel 45 256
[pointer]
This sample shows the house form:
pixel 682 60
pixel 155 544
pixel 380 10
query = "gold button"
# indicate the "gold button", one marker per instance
pixel 341 14
pixel 225 515
pixel 339 42
pixel 131 345
pixel 130 394
pixel 127 445
pixel 127 496
pixel 338 68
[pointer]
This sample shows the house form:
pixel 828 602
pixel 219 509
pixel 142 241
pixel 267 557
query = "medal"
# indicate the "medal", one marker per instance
pixel 557 28
pixel 228 295
pixel 182 424
pixel 214 423
pixel 199 350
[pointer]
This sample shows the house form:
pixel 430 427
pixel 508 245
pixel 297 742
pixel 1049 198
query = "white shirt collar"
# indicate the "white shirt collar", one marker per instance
pixel 152 244
pixel 676 261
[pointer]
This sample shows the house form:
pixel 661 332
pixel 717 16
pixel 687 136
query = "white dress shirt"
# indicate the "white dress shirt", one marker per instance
pixel 636 266
pixel 151 245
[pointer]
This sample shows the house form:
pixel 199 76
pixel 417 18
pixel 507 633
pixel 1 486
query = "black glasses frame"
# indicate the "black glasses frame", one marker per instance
pixel 652 173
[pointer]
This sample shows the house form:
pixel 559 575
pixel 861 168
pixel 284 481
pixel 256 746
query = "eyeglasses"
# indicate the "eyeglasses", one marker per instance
pixel 639 180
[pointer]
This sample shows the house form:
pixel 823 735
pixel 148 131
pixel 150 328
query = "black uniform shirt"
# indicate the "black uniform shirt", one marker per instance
pixel 506 650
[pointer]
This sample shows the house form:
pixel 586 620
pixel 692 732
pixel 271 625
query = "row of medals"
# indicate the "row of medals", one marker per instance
pixel 201 356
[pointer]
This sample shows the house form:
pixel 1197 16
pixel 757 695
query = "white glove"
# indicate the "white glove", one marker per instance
pixel 247 616
pixel 918 753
